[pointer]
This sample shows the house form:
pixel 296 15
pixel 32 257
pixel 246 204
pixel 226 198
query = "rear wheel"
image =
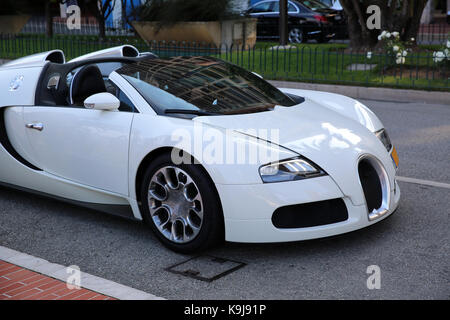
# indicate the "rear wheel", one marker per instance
pixel 296 35
pixel 181 206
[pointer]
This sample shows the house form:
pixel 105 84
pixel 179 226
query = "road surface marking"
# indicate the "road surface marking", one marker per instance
pixel 424 182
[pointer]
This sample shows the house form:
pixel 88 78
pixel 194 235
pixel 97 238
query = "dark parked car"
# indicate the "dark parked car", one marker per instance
pixel 306 20
pixel 334 14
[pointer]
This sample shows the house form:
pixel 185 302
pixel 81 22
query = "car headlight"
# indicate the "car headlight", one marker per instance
pixel 289 170
pixel 384 138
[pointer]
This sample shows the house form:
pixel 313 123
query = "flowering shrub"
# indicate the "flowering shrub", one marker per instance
pixel 442 56
pixel 395 48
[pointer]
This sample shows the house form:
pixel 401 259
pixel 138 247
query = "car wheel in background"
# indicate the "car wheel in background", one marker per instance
pixel 296 35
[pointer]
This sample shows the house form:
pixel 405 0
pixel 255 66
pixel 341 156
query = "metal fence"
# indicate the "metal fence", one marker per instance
pixel 307 63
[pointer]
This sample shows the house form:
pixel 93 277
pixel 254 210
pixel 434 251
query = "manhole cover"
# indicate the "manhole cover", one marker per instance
pixel 206 268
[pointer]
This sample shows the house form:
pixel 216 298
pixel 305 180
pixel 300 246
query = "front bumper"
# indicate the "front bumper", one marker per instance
pixel 248 210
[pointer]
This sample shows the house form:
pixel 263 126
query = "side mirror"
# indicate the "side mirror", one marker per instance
pixel 102 101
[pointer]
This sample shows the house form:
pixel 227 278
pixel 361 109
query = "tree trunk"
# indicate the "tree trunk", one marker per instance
pixel 412 28
pixel 283 21
pixel 360 37
pixel 48 19
pixel 101 28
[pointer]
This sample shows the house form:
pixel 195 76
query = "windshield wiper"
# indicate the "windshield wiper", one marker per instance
pixel 187 111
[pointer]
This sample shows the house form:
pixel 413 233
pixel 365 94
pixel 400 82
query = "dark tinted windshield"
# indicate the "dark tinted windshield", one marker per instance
pixel 201 84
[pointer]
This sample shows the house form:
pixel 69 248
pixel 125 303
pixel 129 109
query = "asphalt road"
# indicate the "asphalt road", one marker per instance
pixel 411 247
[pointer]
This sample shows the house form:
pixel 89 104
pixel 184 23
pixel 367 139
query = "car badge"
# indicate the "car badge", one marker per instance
pixel 16 83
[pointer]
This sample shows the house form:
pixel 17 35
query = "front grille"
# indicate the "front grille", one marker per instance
pixel 310 214
pixel 371 185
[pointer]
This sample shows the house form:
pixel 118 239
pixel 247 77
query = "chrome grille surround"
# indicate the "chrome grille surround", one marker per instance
pixel 385 187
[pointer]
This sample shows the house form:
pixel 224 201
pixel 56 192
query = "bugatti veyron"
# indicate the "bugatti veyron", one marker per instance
pixel 200 149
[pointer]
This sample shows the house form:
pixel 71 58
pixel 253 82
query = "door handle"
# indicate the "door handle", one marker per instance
pixel 36 126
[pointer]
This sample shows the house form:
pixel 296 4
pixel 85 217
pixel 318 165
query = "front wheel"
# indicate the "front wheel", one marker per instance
pixel 181 206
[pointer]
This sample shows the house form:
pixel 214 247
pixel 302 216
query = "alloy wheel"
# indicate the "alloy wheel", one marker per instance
pixel 175 204
pixel 295 35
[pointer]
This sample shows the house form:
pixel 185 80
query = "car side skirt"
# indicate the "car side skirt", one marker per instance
pixel 120 210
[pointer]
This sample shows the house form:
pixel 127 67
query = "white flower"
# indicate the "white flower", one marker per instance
pixel 399 54
pixel 396 34
pixel 388 35
pixel 369 55
pixel 404 53
pixel 382 35
pixel 401 60
pixel 438 56
pixel 412 39
pixel 395 48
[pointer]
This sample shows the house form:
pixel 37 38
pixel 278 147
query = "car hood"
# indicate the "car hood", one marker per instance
pixel 328 138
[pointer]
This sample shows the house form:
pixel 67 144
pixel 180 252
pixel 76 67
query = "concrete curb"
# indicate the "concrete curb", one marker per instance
pixel 88 281
pixel 370 93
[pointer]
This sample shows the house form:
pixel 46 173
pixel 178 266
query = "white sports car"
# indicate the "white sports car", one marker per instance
pixel 200 149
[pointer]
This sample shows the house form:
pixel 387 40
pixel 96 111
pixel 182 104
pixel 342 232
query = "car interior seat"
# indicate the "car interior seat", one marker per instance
pixel 86 82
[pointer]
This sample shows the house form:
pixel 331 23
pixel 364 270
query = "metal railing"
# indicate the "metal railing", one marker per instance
pixel 330 63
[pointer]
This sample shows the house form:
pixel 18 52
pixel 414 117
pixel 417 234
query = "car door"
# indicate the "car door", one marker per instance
pixel 262 11
pixel 272 20
pixel 86 146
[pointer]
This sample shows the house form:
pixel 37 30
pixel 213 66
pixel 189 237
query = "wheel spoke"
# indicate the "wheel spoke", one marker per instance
pixel 158 216
pixel 157 191
pixel 171 177
pixel 193 225
pixel 191 192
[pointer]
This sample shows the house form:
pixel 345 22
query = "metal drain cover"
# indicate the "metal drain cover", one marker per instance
pixel 206 268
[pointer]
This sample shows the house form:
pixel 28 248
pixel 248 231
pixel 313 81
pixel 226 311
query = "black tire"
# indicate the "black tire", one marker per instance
pixel 212 229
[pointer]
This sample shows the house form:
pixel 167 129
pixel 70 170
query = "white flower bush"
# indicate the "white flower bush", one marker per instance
pixel 394 47
pixel 442 56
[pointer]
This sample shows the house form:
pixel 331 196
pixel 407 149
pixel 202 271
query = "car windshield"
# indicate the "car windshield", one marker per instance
pixel 201 85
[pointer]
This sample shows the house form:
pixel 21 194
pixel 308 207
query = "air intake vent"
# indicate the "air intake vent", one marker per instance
pixel 310 214
pixel 371 185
